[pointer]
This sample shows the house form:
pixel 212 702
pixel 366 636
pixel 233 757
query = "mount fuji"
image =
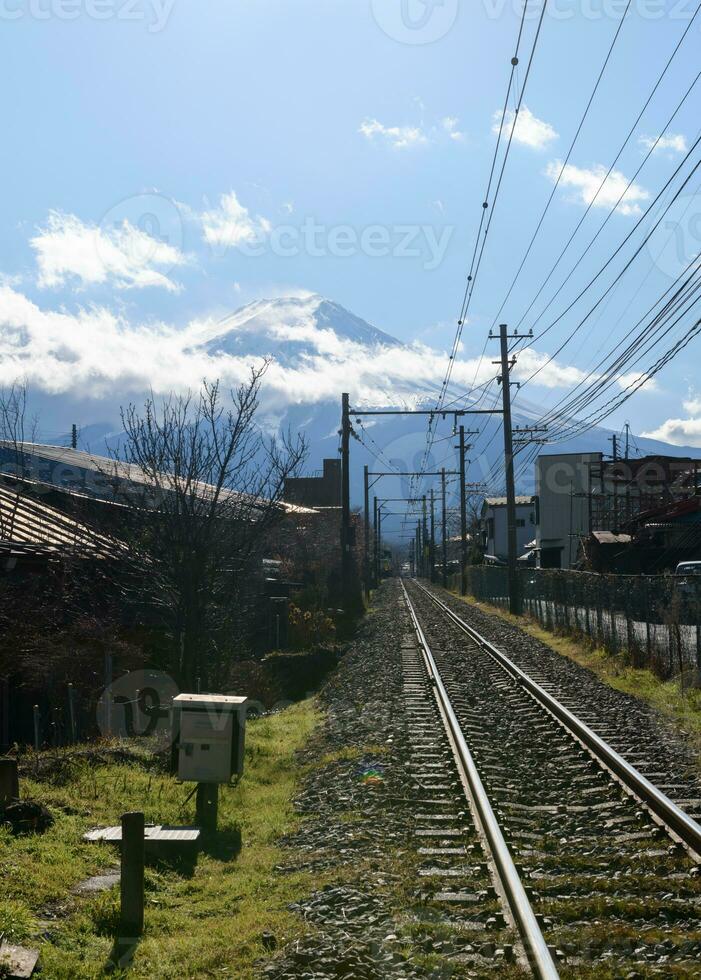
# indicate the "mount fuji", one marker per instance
pixel 316 350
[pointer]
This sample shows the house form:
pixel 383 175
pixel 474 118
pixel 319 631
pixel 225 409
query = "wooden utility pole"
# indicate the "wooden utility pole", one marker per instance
pixel 346 563
pixel 444 521
pixel 514 599
pixel 366 504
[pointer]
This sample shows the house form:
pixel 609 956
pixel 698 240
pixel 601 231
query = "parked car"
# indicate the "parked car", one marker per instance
pixel 689 577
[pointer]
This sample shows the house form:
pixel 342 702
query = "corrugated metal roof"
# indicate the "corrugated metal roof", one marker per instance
pixel 30 524
pixel 521 501
pixel 608 537
pixel 109 471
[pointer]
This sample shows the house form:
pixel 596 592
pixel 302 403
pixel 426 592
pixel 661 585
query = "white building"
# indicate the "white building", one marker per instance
pixel 562 483
pixel 495 526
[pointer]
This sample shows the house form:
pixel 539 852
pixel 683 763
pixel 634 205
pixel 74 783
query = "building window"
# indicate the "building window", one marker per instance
pixel 520 522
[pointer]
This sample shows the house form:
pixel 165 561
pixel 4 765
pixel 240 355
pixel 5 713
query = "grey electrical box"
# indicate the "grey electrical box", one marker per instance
pixel 208 737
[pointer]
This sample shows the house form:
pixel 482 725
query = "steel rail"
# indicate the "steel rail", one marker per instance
pixel 672 816
pixel 534 943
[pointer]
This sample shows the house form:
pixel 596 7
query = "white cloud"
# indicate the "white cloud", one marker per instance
pixel 398 137
pixel 450 125
pixel 633 380
pixel 96 353
pixel 672 142
pixel 528 129
pixel 593 186
pixel 678 432
pixel 231 224
pixel 67 250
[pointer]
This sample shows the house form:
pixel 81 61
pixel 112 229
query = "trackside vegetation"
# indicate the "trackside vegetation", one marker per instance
pixel 214 918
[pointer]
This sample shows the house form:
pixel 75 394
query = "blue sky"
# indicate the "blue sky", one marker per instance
pixel 199 144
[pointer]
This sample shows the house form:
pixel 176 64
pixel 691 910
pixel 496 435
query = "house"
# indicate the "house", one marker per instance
pixel 494 525
pixel 319 490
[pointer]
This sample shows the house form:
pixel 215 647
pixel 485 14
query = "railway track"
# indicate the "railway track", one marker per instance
pixel 596 869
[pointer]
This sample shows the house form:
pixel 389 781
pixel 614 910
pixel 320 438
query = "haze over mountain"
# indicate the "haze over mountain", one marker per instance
pixel 317 349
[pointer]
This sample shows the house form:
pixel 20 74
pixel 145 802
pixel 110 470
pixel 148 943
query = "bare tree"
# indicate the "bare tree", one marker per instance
pixel 16 429
pixel 202 488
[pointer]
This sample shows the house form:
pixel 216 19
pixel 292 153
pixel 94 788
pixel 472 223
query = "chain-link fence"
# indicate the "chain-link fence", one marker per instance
pixel 653 620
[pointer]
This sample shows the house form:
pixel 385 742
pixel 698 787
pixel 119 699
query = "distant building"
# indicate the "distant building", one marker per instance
pixel 562 481
pixel 495 530
pixel 322 490
pixel 596 512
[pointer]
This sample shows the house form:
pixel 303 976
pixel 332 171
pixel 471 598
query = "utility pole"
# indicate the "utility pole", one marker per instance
pixel 445 531
pixel 627 427
pixel 432 547
pixel 418 549
pixel 376 560
pixel 346 562
pixel 366 563
pixel 463 516
pixel 424 538
pixel 74 436
pixel 514 603
pixel 614 443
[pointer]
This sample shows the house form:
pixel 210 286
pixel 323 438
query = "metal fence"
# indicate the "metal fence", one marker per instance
pixel 650 620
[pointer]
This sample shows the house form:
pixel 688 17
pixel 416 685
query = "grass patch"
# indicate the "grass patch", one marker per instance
pixel 203 923
pixel 682 708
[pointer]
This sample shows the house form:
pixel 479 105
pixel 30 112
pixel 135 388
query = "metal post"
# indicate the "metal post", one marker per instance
pixel 444 530
pixel 345 497
pixel 366 504
pixel 379 543
pixel 37 732
pixel 207 805
pixel 514 604
pixel 432 548
pixel 463 516
pixel 132 877
pixel 418 549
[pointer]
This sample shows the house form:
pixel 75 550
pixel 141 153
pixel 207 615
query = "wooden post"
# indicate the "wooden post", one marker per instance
pixel 207 806
pixel 132 878
pixel 9 780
